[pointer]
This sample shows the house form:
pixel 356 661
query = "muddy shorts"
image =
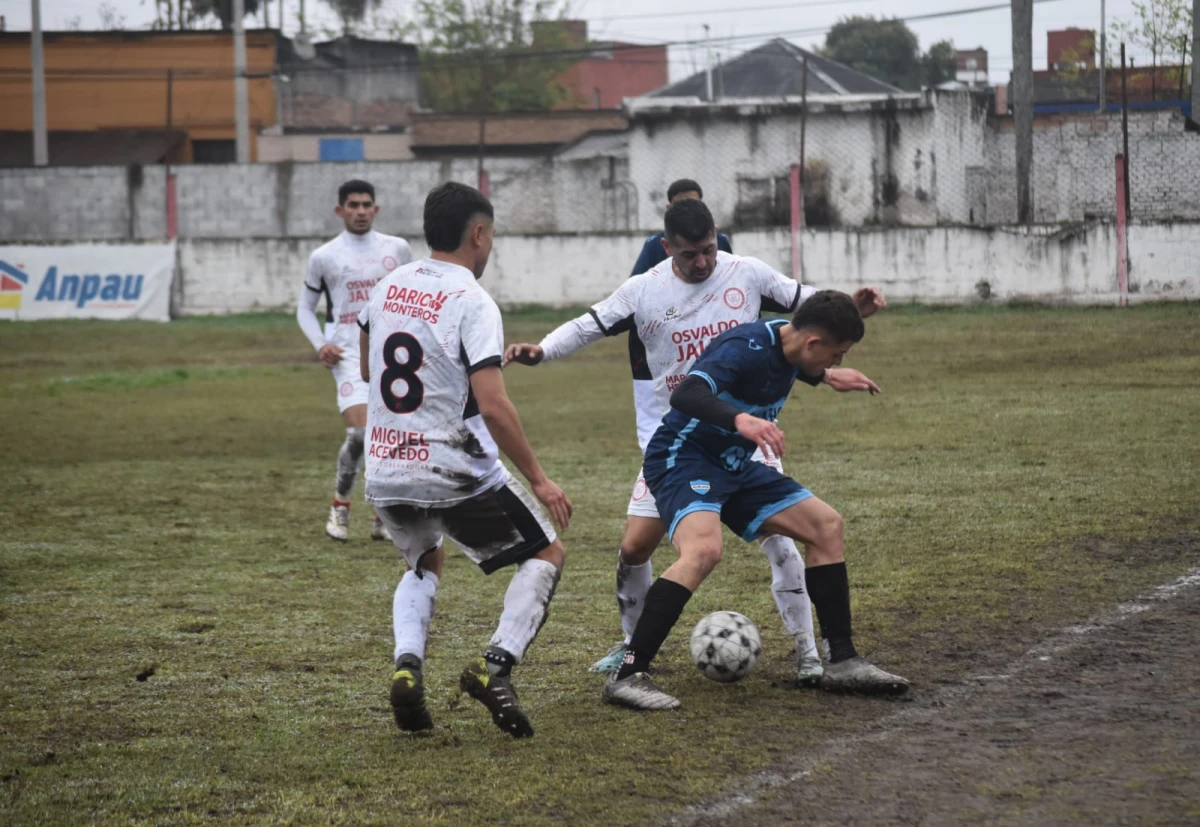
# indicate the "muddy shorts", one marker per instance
pixel 500 527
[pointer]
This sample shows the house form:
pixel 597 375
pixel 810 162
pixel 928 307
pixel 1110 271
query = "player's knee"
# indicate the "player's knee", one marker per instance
pixel 705 553
pixel 635 552
pixel 355 437
pixel 554 554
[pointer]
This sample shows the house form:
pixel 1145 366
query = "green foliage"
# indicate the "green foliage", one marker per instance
pixel 886 49
pixel 352 12
pixel 163 518
pixel 938 63
pixel 1160 27
pixel 484 56
pixel 194 10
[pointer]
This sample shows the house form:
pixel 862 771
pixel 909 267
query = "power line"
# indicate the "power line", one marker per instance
pixel 468 60
pixel 729 10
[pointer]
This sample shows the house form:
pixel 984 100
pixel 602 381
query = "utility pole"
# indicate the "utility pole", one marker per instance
pixel 1195 62
pixel 41 144
pixel 241 97
pixel 1022 46
pixel 707 67
pixel 1103 59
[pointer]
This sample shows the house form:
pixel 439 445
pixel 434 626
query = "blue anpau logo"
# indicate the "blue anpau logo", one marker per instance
pixel 83 289
pixel 701 486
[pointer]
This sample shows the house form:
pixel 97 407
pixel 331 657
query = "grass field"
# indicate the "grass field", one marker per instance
pixel 181 643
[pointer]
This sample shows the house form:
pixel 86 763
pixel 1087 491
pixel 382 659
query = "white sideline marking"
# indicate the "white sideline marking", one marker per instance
pixel 754 786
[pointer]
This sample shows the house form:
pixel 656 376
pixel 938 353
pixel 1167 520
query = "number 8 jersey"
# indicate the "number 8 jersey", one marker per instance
pixel 430 326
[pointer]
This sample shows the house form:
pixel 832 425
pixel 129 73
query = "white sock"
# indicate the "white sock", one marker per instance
pixel 349 456
pixel 412 610
pixel 787 587
pixel 526 606
pixel 632 584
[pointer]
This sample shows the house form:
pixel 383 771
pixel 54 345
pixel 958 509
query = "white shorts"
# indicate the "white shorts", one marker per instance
pixel 641 502
pixel 351 389
pixel 500 527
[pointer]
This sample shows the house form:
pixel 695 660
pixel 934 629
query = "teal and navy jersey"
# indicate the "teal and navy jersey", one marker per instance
pixel 745 367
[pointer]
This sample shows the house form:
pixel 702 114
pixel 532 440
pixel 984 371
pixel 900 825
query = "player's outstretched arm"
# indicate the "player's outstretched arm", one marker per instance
pixel 504 424
pixel 848 379
pixel 559 343
pixel 869 300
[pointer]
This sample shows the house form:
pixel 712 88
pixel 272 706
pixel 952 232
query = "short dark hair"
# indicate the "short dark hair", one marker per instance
pixel 683 185
pixel 690 220
pixel 833 313
pixel 449 208
pixel 352 186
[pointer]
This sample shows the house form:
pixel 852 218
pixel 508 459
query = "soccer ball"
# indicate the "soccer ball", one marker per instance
pixel 725 646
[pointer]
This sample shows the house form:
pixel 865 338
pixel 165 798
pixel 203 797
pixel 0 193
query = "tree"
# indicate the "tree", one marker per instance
pixel 888 50
pixel 938 63
pixel 189 14
pixel 484 56
pixel 1162 28
pixel 352 12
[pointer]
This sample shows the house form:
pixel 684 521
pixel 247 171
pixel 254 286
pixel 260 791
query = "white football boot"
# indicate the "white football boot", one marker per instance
pixel 338 526
pixel 860 676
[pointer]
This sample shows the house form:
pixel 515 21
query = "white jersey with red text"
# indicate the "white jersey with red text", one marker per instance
pixel 347 268
pixel 429 326
pixel 675 319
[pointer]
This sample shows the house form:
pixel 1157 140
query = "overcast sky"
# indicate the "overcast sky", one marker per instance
pixel 734 26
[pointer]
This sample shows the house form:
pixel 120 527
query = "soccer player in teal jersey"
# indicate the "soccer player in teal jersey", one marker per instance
pixel 699 470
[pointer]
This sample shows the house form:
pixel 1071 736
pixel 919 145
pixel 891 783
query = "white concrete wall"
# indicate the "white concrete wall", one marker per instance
pixel 935 265
pixel 234 276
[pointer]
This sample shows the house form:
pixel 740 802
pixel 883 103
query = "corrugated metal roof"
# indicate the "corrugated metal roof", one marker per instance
pixel 775 69
pixel 93 148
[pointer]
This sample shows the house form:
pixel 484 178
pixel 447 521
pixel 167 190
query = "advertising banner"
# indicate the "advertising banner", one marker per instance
pixel 87 281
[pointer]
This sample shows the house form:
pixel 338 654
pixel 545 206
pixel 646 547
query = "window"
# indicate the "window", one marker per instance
pixel 341 149
pixel 214 152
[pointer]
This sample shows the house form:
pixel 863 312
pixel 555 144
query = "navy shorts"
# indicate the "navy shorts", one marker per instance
pixel 686 480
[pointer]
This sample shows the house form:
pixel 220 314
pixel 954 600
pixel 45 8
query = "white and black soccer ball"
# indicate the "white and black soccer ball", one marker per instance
pixel 725 646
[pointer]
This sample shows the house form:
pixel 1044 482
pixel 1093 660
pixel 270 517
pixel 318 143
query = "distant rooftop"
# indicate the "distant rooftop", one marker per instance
pixel 775 70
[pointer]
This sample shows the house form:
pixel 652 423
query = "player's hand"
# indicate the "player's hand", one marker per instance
pixel 869 300
pixel 848 379
pixel 329 355
pixel 766 435
pixel 523 353
pixel 556 502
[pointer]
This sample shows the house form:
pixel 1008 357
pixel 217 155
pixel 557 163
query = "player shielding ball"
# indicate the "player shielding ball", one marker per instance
pixel 346 269
pixel 437 417
pixel 677 308
pixel 699 468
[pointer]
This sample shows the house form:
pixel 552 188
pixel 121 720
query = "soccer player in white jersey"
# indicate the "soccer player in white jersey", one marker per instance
pixel 676 308
pixel 437 418
pixel 346 269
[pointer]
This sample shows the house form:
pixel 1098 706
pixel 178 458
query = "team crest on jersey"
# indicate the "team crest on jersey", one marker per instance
pixel 734 298
pixel 347 388
pixel 639 490
pixel 389 263
pixel 701 486
pixel 672 313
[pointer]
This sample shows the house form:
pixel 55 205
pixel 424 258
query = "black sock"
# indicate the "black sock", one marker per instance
pixel 499 661
pixel 664 603
pixel 829 591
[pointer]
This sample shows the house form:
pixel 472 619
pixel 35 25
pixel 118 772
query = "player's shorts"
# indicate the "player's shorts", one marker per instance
pixel 351 389
pixel 745 499
pixel 501 527
pixel 643 504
